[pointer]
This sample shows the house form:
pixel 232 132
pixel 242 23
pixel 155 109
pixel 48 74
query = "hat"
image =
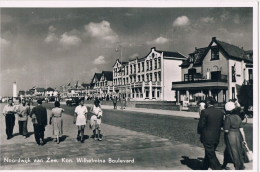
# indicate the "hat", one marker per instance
pixel 229 106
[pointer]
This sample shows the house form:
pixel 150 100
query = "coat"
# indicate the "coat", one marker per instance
pixel 209 126
pixel 41 114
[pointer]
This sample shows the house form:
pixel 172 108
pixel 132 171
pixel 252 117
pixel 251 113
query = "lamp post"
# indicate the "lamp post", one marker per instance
pixel 121 74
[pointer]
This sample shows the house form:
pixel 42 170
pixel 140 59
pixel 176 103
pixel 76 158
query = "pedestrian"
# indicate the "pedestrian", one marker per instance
pixel 209 128
pixel 95 120
pixel 234 137
pixel 23 112
pixel 39 119
pixel 80 119
pixel 115 102
pixel 9 113
pixel 56 121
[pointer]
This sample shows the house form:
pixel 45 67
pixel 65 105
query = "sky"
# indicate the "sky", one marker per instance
pixel 51 47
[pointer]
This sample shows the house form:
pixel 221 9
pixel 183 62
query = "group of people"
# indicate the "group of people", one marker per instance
pixel 212 122
pixel 39 118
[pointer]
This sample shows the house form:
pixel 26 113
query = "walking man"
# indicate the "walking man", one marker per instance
pixel 8 112
pixel 23 112
pixel 39 119
pixel 209 128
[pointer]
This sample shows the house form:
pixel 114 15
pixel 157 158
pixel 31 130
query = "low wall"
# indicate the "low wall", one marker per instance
pixel 159 106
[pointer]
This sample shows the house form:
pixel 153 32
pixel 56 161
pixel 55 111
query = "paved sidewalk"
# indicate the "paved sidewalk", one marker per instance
pixel 148 152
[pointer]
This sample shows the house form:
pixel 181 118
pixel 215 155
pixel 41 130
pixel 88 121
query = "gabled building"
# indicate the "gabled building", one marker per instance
pixel 215 70
pixel 39 92
pixel 150 77
pixel 51 92
pixel 106 83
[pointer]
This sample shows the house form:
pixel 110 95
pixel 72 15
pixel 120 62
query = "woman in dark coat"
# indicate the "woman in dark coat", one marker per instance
pixel 234 137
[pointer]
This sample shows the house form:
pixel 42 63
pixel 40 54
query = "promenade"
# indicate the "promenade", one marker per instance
pixel 143 151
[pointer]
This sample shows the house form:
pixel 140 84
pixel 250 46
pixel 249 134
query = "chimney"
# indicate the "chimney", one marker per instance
pixel 153 48
pixel 213 38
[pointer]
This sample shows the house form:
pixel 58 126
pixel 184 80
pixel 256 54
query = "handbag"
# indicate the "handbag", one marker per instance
pixel 248 154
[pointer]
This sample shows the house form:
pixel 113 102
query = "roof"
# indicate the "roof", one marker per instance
pixel 108 75
pixel 230 51
pixel 40 89
pixel 235 51
pixel 96 75
pixel 50 89
pixel 171 54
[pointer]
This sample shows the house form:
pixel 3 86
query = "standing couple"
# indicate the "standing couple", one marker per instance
pixel 209 127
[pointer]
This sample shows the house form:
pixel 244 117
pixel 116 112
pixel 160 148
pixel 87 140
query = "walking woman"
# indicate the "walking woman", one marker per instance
pixel 56 121
pixel 80 118
pixel 95 120
pixel 234 138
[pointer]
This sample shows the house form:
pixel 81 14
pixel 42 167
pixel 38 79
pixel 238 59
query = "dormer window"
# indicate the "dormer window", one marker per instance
pixel 214 53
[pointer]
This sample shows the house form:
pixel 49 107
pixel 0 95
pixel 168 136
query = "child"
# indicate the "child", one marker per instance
pixel 95 120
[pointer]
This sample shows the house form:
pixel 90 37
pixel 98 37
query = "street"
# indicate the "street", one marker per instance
pixel 131 140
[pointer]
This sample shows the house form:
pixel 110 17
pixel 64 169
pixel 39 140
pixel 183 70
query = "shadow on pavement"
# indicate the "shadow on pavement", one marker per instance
pixel 194 164
pixel 63 138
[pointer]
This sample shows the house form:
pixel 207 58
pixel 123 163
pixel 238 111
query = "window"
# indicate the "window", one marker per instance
pixel 233 73
pixel 147 65
pixel 142 66
pixel 159 76
pixel 151 64
pixel 127 80
pixel 214 53
pixel 155 63
pixel 139 67
pixel 134 68
pixel 151 76
pixel 142 77
pixel 131 69
pixel 233 93
pixel 126 70
pixel 139 78
pixel 159 63
pixel 147 77
pixel 155 76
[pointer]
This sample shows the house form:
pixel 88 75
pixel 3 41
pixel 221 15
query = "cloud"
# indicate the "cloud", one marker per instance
pixel 207 19
pixel 51 37
pixel 100 60
pixel 181 21
pixel 68 40
pixel 159 40
pixel 101 30
pixel 224 16
pixel 4 43
pixel 236 19
pixel 52 29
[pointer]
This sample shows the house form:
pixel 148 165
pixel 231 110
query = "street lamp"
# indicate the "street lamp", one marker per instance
pixel 121 73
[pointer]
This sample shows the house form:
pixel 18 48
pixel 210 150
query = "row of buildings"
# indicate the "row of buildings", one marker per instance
pixel 215 70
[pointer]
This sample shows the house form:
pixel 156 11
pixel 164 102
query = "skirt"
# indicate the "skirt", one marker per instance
pixel 234 152
pixel 57 124
pixel 81 120
pixel 95 122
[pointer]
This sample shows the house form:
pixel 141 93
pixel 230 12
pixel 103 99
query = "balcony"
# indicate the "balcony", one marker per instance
pixel 220 83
